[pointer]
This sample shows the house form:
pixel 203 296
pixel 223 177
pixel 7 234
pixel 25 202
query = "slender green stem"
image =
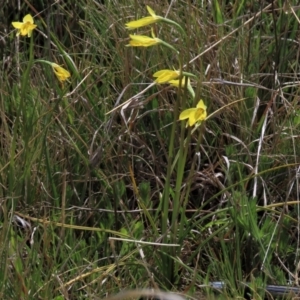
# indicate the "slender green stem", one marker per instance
pixel 168 46
pixel 171 22
pixel 166 194
pixel 180 167
pixel 21 113
pixel 191 172
pixel 180 171
pixel 27 128
pixel 25 78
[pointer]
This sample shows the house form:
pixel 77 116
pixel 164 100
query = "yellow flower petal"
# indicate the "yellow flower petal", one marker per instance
pixel 159 73
pixel 151 11
pixel 61 73
pixel 140 23
pixel 142 41
pixel 200 115
pixel 186 113
pixel 194 115
pixel 192 119
pixel 165 75
pixel 28 19
pixel 153 18
pixel 17 25
pixel 26 27
pixel 201 105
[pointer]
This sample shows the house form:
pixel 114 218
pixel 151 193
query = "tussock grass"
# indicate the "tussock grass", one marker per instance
pixel 85 208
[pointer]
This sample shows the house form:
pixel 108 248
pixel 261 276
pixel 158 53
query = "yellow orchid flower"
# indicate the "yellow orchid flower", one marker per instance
pixel 153 18
pixel 146 41
pixel 26 27
pixel 61 73
pixel 195 115
pixel 164 76
pixel 143 41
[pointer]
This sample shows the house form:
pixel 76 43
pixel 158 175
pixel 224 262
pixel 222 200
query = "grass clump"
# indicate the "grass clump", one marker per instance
pixel 113 179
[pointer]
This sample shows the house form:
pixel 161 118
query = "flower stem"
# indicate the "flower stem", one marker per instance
pixel 171 22
pixel 169 46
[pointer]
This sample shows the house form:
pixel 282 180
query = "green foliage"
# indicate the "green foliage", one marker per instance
pixel 99 196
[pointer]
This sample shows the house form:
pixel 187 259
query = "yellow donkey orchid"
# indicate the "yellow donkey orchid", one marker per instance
pixel 195 115
pixel 143 40
pixel 61 73
pixel 26 27
pixel 163 76
pixel 153 18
